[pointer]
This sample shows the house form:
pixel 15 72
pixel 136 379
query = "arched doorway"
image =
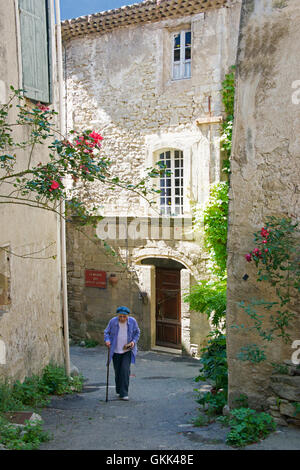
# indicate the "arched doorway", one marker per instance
pixel 168 320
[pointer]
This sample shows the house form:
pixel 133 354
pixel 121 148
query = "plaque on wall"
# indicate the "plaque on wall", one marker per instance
pixel 95 278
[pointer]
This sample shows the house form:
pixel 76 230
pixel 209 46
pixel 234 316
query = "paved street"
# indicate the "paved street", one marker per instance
pixel 157 416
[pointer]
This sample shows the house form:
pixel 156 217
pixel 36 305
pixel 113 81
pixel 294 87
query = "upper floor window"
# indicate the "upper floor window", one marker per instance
pixel 171 185
pixel 182 55
pixel 35 49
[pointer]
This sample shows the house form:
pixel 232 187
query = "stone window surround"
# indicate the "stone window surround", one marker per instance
pixel 172 196
pixel 156 144
pixel 182 31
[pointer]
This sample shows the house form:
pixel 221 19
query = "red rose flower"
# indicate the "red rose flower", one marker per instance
pixel 248 257
pixel 96 137
pixel 54 185
pixel 264 232
pixel 42 107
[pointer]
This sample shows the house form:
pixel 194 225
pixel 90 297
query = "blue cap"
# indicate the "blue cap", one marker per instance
pixel 123 310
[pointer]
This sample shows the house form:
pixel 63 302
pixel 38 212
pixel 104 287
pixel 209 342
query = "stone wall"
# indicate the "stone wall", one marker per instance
pixel 285 395
pixel 265 176
pixel 30 288
pixel 119 83
pixel 90 308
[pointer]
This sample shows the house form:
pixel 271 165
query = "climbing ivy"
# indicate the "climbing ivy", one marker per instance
pixel 215 217
pixel 228 93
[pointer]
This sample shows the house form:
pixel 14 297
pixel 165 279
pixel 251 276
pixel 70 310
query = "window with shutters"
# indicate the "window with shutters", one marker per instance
pixel 171 183
pixel 35 49
pixel 182 47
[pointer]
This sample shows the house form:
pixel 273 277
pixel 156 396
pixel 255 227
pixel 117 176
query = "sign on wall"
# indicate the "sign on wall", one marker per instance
pixel 95 278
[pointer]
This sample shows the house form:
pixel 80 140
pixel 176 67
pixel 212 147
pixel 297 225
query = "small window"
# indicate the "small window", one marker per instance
pixel 182 46
pixel 171 186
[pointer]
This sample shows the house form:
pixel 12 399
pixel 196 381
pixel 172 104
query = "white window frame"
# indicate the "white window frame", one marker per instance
pixel 172 177
pixel 183 61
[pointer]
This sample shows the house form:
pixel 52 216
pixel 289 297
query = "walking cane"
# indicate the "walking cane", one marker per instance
pixel 107 375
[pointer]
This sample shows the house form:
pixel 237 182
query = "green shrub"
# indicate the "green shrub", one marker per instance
pixel 57 382
pixel 214 361
pixel 248 426
pixel 9 402
pixel 32 393
pixel 215 217
pixel 215 402
pixel 90 343
pixel 26 437
pixel 200 420
pixel 209 297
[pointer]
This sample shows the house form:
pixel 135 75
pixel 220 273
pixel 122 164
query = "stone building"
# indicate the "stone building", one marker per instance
pixel 30 287
pixel 264 182
pixel 148 78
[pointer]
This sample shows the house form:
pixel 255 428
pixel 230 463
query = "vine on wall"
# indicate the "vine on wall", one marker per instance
pixel 277 262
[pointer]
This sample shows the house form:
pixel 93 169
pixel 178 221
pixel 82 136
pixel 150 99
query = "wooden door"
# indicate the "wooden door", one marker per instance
pixel 168 314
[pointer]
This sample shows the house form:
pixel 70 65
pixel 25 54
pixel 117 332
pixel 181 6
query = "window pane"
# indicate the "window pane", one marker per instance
pixel 177 41
pixel 162 156
pixel 176 71
pixel 187 70
pixel 187 53
pixel 188 38
pixel 171 196
pixel 177 55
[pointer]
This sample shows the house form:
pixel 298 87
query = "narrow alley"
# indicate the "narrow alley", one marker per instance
pixel 158 415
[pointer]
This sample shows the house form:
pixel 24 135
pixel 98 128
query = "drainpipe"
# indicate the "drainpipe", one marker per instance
pixel 62 207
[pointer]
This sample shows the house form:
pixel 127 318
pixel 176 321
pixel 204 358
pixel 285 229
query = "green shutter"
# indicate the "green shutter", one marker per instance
pixel 34 48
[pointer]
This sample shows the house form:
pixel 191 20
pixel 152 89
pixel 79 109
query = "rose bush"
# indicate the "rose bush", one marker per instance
pixel 78 158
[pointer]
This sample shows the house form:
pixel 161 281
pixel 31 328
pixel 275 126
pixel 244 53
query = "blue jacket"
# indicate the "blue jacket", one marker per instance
pixel 111 334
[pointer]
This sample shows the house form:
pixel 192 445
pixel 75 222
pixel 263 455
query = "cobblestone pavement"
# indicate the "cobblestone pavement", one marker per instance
pixel 157 416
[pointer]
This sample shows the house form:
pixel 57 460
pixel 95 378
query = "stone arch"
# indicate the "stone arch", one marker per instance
pixel 187 272
pixel 140 254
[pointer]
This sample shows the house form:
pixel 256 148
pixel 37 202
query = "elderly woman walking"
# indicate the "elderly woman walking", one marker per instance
pixel 121 336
